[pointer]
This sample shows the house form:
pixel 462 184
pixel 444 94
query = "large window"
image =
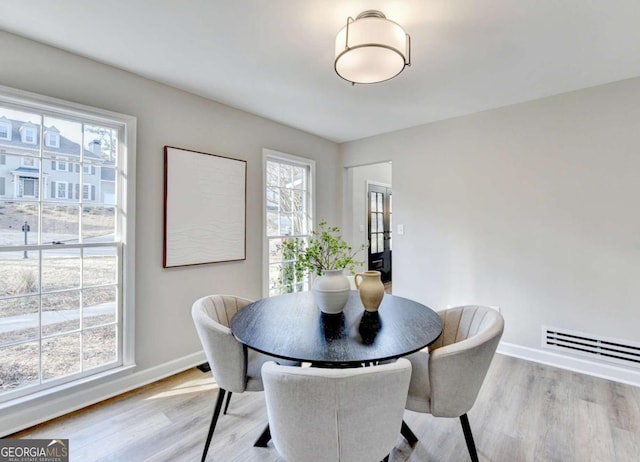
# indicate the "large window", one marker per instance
pixel 65 285
pixel 288 215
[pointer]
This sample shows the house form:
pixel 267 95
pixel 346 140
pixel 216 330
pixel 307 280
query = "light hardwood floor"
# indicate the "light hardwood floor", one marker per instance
pixel 525 412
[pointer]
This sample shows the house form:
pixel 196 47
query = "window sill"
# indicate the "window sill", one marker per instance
pixel 47 404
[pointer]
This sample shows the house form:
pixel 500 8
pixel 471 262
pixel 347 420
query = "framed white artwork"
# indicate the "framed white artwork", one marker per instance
pixel 204 208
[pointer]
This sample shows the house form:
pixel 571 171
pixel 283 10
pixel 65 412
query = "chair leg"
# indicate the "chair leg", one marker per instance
pixel 226 406
pixel 411 438
pixel 468 436
pixel 214 420
pixel 263 439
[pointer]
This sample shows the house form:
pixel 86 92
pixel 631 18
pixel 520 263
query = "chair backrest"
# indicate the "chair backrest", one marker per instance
pixel 330 415
pixel 227 357
pixel 460 358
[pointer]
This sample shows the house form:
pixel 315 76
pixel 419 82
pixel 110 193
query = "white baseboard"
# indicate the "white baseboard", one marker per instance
pixel 616 373
pixel 28 413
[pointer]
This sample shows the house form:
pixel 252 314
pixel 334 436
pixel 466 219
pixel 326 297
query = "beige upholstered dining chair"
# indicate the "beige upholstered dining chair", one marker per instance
pixel 446 379
pixel 235 368
pixel 331 415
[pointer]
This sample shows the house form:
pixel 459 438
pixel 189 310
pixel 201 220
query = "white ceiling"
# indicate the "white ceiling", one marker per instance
pixel 274 58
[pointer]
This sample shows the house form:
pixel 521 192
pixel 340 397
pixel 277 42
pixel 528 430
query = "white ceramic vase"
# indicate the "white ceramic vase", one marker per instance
pixel 331 291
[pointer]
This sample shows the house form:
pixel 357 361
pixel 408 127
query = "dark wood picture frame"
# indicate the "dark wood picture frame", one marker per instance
pixel 205 208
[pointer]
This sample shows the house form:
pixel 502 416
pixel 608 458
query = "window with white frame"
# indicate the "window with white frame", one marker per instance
pixel 5 131
pixel 65 309
pixel 3 159
pixel 28 134
pixel 2 190
pixel 60 190
pixel 89 192
pixel 288 215
pixel 52 139
pixel 61 165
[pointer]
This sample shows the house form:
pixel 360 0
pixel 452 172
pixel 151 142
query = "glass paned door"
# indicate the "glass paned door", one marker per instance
pixel 379 208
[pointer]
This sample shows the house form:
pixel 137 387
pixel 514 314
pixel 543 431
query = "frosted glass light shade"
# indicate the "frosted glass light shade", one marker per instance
pixel 371 49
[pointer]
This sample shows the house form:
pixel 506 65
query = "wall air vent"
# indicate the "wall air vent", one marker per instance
pixel 600 348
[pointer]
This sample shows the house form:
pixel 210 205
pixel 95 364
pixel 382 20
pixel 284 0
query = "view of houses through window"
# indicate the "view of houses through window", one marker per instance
pixel 288 216
pixel 60 247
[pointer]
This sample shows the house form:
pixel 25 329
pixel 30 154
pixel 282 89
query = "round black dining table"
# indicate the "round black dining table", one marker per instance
pixel 292 327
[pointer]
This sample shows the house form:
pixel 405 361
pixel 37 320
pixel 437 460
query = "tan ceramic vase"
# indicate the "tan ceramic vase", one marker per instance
pixel 370 288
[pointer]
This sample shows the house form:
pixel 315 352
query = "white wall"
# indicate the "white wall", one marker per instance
pixel 531 207
pixel 356 198
pixel 166 116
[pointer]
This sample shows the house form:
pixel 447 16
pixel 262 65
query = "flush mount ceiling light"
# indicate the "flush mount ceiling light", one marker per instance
pixel 371 49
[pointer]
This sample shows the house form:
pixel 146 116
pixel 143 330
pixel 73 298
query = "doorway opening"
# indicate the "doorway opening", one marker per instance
pixel 368 216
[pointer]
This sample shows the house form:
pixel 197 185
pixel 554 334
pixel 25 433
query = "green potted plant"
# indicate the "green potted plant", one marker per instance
pixel 326 255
